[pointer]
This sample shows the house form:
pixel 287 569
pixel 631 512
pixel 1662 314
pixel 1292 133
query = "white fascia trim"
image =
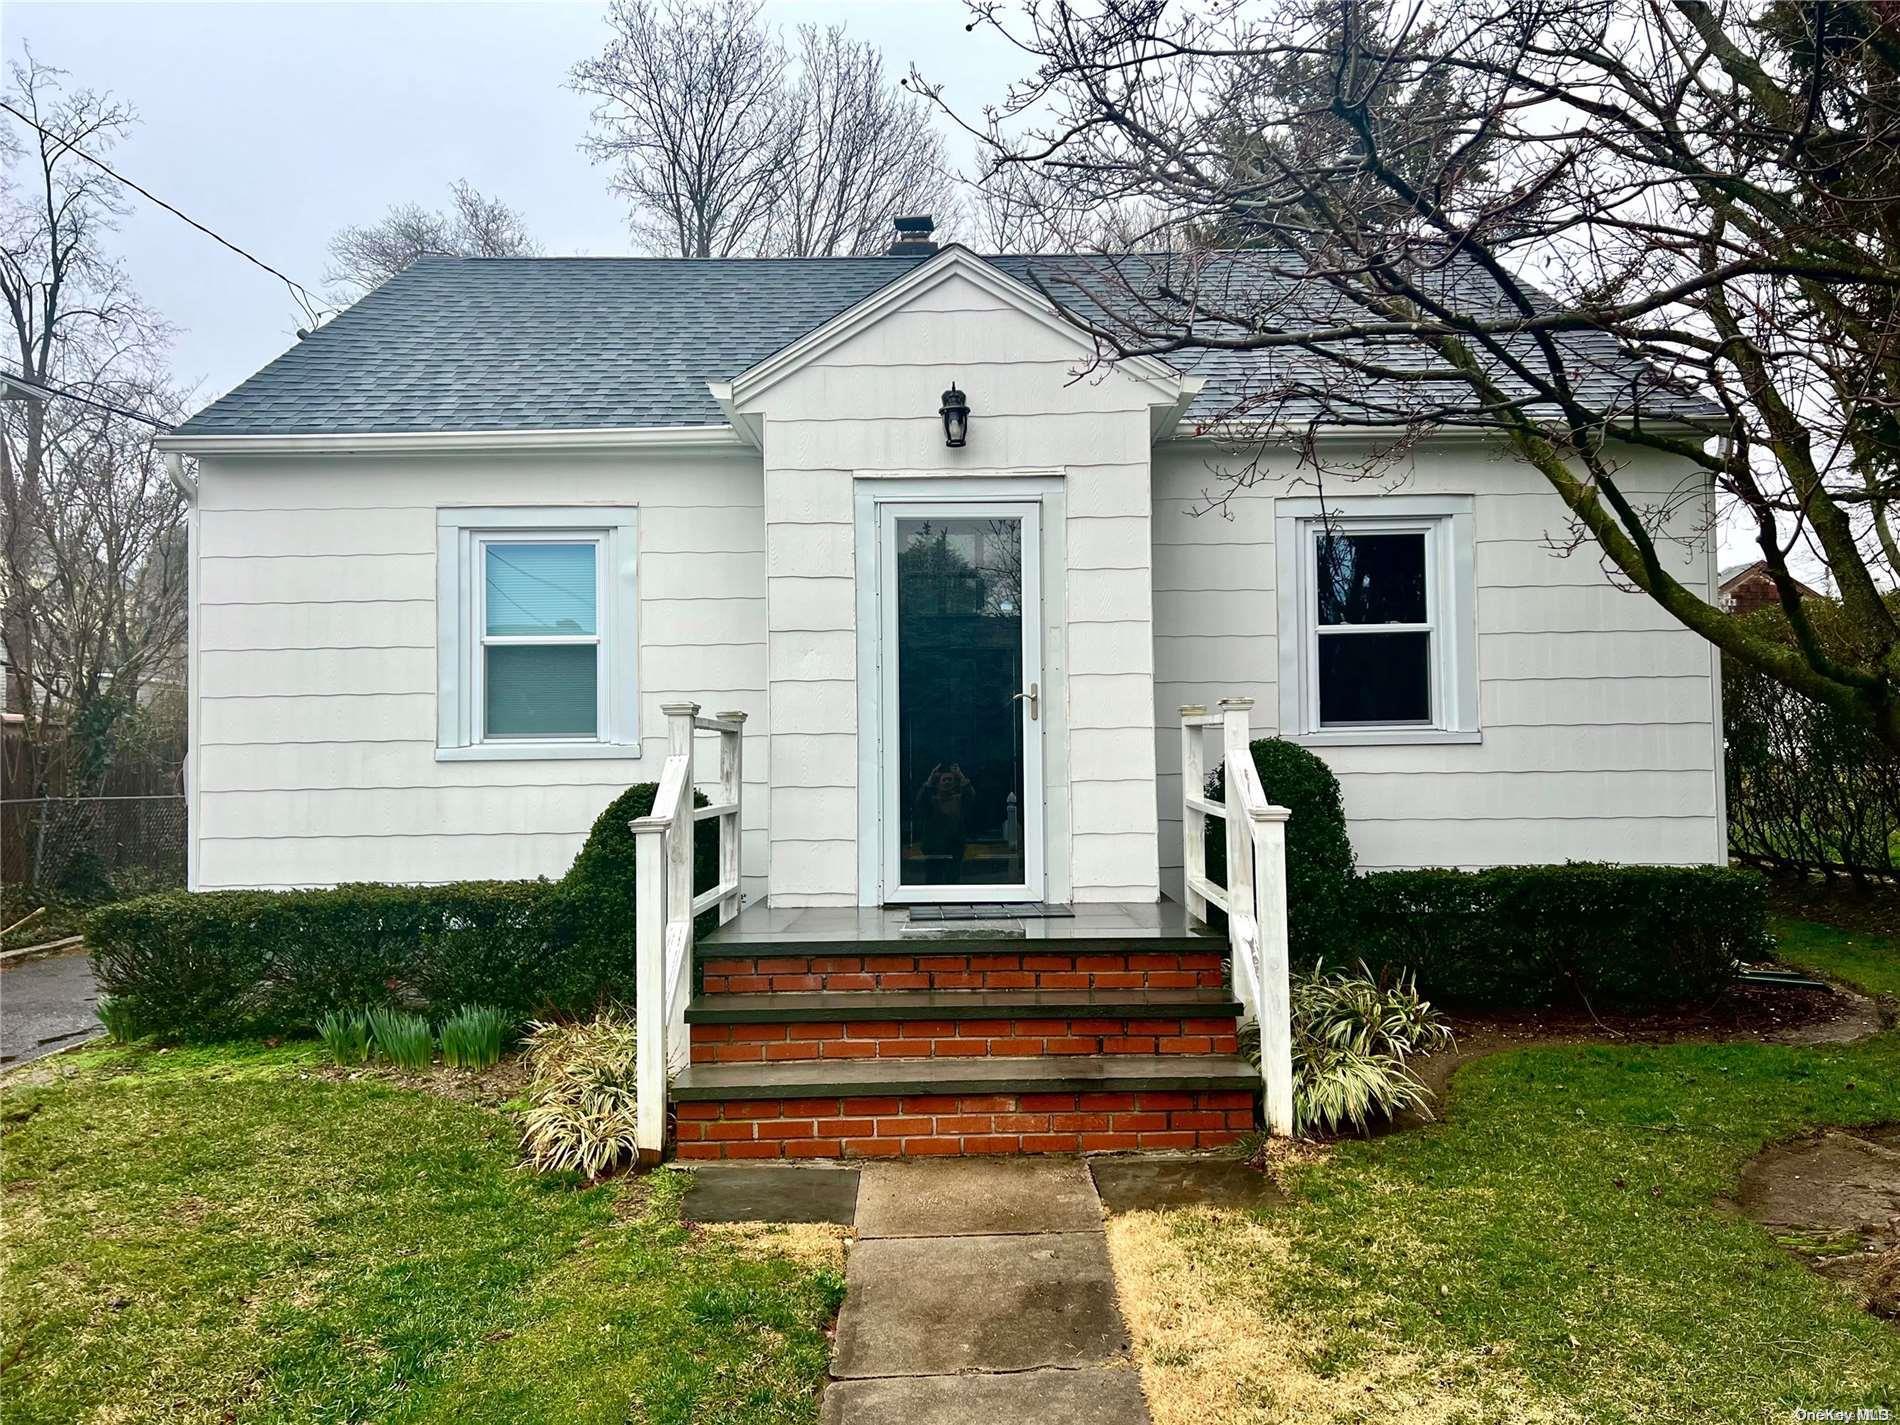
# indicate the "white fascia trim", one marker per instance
pixel 750 384
pixel 1164 419
pixel 750 428
pixel 457 442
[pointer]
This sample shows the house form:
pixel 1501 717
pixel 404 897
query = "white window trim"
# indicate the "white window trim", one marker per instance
pixel 1451 613
pixel 461 534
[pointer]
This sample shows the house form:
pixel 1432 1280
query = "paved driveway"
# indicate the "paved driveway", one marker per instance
pixel 45 1004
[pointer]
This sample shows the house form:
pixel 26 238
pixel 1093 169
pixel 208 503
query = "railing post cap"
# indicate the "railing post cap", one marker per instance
pixel 730 716
pixel 680 709
pixel 1193 710
pixel 1236 703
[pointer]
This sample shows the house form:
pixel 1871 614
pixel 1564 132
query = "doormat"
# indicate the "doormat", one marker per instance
pixel 991 910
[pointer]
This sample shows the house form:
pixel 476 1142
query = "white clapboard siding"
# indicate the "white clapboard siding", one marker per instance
pixel 375 623
pixel 316 716
pixel 867 407
pixel 306 672
pixel 1519 841
pixel 1596 708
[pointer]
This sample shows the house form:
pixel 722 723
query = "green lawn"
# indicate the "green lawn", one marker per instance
pixel 226 1234
pixel 1861 958
pixel 1557 1248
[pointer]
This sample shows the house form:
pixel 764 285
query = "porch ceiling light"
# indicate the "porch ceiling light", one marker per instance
pixel 955 411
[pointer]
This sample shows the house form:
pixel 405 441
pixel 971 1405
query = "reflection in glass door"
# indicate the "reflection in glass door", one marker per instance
pixel 962 660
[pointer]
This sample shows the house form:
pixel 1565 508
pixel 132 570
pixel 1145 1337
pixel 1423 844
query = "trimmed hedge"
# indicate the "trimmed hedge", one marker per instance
pixel 1319 859
pixel 1602 935
pixel 251 962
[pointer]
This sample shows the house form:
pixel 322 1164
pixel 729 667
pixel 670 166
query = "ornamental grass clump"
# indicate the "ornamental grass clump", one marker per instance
pixel 472 1037
pixel 116 1016
pixel 1353 1035
pixel 404 1039
pixel 581 1096
pixel 345 1035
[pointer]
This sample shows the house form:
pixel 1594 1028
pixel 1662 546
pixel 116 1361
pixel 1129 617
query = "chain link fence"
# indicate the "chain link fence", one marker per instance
pixel 93 848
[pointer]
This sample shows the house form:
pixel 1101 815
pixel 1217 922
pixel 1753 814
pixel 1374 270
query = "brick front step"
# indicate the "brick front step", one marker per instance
pixel 928 1125
pixel 889 1107
pixel 973 1038
pixel 945 966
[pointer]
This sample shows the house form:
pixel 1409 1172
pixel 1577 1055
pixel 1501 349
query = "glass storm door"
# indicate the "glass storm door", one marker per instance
pixel 961 668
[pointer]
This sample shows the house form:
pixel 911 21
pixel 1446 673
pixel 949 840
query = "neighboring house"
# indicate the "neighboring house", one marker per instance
pixel 1744 588
pixel 452 553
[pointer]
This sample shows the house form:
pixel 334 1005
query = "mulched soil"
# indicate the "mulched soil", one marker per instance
pixel 491 1088
pixel 1741 1012
pixel 1833 1199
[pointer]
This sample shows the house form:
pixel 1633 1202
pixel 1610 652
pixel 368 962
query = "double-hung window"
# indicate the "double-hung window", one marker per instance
pixel 1377 631
pixel 536 633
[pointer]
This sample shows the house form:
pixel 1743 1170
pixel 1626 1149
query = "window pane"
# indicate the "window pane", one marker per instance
pixel 959 723
pixel 1371 578
pixel 1375 677
pixel 542 690
pixel 540 588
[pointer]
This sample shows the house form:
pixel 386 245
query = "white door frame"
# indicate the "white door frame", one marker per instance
pixel 877 640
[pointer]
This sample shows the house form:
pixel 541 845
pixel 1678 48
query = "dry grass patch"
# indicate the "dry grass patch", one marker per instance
pixel 1880 1293
pixel 814 1246
pixel 1214 1345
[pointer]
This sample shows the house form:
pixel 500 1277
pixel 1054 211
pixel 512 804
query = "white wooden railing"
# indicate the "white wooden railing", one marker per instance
pixel 666 905
pixel 1254 890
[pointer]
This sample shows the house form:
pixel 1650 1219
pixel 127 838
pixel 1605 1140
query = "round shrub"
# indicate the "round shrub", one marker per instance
pixel 594 901
pixel 1319 859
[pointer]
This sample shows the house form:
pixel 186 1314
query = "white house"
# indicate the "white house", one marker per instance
pixel 452 553
pixel 490 547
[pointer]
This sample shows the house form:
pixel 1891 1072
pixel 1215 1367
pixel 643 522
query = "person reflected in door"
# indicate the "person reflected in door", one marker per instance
pixel 942 808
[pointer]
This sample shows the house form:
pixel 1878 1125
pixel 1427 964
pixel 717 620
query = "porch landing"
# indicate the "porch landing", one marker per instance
pixel 855 1033
pixel 1111 924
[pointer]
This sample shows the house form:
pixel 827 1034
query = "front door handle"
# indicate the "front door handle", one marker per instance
pixel 1034 698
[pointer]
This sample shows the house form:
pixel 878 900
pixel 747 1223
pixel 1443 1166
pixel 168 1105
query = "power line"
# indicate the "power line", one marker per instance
pixel 17 379
pixel 299 293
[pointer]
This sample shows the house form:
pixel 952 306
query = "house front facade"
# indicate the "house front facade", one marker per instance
pixel 452 556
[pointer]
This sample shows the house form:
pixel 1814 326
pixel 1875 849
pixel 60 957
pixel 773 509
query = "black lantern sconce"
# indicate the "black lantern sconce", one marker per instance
pixel 955 411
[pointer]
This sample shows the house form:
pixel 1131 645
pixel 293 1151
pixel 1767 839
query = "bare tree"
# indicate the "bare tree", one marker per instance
pixel 362 258
pixel 725 143
pixel 858 151
pixel 690 101
pixel 93 567
pixel 1543 218
pixel 1014 208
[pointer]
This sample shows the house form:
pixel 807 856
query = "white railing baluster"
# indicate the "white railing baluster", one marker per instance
pixel 1235 734
pixel 1254 890
pixel 1193 818
pixel 731 780
pixel 664 843
pixel 1275 1009
pixel 650 990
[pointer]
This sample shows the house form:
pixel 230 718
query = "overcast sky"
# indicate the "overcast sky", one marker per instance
pixel 276 124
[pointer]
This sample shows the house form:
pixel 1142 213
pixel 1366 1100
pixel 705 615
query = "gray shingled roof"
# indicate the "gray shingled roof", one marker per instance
pixel 572 343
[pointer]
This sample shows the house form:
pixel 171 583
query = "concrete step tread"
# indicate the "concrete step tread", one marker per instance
pixel 946 939
pixel 840 1006
pixel 883 1078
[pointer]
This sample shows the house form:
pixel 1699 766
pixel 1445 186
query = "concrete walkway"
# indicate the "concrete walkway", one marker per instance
pixel 980 1290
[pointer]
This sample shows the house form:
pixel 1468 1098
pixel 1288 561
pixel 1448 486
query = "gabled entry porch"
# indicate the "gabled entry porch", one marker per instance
pixel 890 1031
